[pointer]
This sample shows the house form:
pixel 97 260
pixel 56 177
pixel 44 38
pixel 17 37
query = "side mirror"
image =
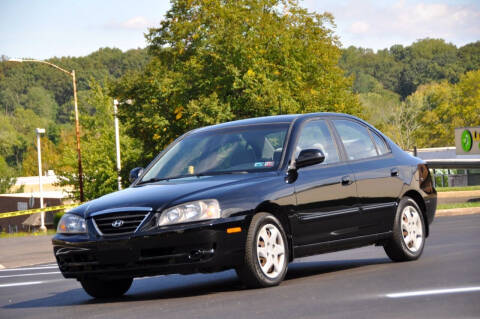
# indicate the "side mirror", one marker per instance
pixel 134 173
pixel 309 157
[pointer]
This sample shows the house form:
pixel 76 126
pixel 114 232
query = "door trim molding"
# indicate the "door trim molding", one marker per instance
pixel 312 216
pixel 378 206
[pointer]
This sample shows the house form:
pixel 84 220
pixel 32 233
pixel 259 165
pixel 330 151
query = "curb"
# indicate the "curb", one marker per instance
pixel 457 211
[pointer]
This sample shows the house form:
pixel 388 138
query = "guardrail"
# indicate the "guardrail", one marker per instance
pixel 37 210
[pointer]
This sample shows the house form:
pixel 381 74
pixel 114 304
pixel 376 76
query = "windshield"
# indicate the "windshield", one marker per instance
pixel 241 149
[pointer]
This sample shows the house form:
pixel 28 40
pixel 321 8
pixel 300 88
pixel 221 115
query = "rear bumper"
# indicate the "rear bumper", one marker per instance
pixel 190 248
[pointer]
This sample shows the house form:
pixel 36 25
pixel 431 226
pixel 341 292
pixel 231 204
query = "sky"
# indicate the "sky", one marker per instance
pixel 42 29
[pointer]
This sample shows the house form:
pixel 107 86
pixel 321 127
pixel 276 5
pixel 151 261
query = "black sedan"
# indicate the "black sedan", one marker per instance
pixel 251 195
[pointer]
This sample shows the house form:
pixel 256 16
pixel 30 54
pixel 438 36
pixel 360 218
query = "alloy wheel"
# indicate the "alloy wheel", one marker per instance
pixel 412 228
pixel 270 251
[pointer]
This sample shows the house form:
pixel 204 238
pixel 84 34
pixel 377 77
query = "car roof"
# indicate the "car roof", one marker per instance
pixel 287 118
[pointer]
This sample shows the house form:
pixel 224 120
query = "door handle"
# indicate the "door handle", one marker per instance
pixel 394 172
pixel 346 180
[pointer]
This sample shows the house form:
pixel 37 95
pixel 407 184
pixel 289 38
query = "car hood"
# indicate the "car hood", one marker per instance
pixel 161 194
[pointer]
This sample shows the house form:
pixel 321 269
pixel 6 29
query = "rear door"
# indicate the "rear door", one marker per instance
pixel 326 195
pixel 373 165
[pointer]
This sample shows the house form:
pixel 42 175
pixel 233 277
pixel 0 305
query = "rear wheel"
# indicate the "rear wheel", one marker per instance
pixel 266 253
pixel 101 288
pixel 408 238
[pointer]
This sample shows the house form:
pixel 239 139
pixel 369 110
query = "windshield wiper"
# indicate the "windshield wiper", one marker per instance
pixel 220 173
pixel 151 180
pixel 156 179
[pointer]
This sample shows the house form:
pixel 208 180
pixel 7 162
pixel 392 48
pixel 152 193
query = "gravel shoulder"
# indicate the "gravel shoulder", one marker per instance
pixel 25 251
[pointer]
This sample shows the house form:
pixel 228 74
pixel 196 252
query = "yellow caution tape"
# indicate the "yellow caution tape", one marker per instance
pixel 37 210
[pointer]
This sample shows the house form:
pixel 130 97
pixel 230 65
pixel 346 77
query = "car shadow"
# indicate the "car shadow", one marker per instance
pixel 177 286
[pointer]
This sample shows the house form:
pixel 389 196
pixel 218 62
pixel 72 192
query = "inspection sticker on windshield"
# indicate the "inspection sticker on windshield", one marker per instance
pixel 264 164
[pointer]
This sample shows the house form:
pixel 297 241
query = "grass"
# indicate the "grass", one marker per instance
pixel 457 189
pixel 458 205
pixel 25 234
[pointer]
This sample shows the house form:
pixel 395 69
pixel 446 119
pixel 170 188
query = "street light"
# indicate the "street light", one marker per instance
pixel 39 152
pixel 117 143
pixel 117 138
pixel 77 125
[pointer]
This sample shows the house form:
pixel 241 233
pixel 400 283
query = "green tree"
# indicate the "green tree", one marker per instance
pixel 40 101
pixel 7 179
pixel 98 148
pixel 9 137
pixel 402 69
pixel 214 61
pixel 370 69
pixel 50 158
pixel 25 123
pixel 379 108
pixel 436 100
pixel 429 60
pixel 469 56
pixel 446 106
pixel 41 89
pixel 467 100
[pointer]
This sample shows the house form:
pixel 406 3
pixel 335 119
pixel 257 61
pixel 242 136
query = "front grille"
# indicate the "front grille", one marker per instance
pixel 130 222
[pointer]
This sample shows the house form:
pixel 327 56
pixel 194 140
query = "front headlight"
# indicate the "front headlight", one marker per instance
pixel 190 212
pixel 71 224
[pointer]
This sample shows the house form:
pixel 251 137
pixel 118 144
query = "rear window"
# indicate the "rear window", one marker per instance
pixel 356 139
pixel 381 146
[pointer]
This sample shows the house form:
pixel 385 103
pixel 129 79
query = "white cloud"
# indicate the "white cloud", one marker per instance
pixel 136 23
pixel 429 12
pixel 380 24
pixel 359 27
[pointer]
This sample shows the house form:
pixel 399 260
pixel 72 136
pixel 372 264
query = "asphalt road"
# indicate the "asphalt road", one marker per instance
pixel 360 283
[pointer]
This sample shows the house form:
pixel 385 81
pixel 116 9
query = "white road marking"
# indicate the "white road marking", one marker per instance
pixel 29 283
pixel 30 268
pixel 432 292
pixel 22 284
pixel 32 274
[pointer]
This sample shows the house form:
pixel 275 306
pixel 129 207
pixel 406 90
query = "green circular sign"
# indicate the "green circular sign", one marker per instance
pixel 467 140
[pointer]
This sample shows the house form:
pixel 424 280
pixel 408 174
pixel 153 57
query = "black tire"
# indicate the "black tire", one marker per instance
pixel 396 248
pixel 102 288
pixel 251 272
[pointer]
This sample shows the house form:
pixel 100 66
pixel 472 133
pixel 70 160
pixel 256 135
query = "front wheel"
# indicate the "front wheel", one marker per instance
pixel 101 288
pixel 408 237
pixel 266 253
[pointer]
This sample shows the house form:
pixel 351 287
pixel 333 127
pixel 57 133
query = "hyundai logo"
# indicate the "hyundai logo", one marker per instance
pixel 117 223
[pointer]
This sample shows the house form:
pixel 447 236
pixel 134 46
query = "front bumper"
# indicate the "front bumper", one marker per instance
pixel 188 248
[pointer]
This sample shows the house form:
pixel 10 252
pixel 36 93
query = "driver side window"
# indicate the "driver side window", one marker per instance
pixel 316 134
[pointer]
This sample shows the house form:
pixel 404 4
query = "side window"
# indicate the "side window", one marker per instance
pixel 381 146
pixel 356 139
pixel 315 134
